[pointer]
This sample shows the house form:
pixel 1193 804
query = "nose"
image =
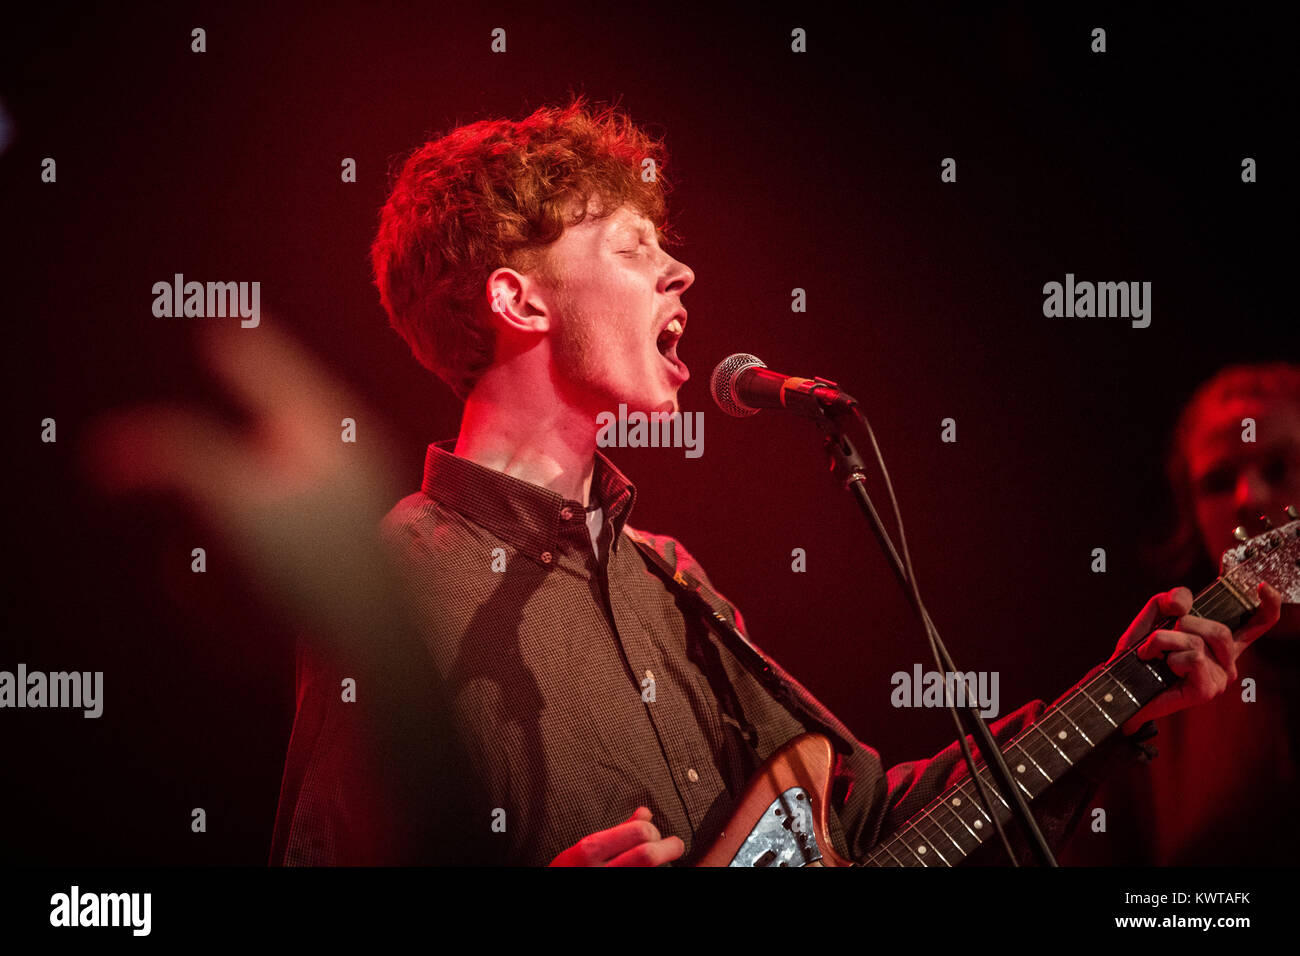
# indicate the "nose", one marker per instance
pixel 678 278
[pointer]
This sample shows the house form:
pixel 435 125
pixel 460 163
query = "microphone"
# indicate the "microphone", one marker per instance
pixel 742 384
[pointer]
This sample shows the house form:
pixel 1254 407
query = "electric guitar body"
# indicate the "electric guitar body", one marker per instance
pixel 780 819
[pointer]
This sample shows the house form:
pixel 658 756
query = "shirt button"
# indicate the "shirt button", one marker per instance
pixel 546 557
pixel 692 776
pixel 566 513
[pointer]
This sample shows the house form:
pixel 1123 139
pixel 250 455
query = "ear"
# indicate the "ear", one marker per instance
pixel 517 300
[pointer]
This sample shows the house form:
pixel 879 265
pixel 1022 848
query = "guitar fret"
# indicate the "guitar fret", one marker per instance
pixel 961 798
pixel 976 802
pixel 967 826
pixel 891 852
pixel 997 792
pixel 1146 677
pixel 917 851
pixel 968 838
pixel 1053 743
pixel 1050 763
pixel 934 816
pixel 956 801
pixel 912 858
pixel 931 818
pixel 1076 741
pixel 1019 768
pixel 930 843
pixel 940 826
pixel 1098 706
pixel 1000 808
pixel 1126 692
pixel 1086 738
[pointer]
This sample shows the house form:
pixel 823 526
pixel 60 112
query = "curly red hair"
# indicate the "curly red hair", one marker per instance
pixel 496 193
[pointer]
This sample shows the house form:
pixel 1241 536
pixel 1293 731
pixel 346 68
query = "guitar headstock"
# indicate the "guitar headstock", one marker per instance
pixel 1273 556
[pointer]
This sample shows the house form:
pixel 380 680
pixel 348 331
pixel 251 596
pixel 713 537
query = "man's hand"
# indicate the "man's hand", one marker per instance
pixel 1203 653
pixel 634 842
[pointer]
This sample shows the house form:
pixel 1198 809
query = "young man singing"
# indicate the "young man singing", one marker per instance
pixel 523 262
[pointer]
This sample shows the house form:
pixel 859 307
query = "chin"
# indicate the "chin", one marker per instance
pixel 649 403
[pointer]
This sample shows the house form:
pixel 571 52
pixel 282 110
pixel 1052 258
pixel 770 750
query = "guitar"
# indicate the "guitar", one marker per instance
pixel 780 819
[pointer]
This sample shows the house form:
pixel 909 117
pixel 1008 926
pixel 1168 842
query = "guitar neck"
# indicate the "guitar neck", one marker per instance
pixel 955 823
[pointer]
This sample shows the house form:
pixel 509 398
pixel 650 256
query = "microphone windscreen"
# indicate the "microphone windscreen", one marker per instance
pixel 723 383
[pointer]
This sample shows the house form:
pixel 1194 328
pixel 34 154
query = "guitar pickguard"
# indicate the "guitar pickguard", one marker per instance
pixel 783 835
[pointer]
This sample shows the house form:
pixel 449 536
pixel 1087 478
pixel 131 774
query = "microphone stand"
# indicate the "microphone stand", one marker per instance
pixel 849 469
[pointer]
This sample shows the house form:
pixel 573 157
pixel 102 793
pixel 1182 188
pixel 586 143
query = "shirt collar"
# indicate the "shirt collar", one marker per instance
pixel 546 526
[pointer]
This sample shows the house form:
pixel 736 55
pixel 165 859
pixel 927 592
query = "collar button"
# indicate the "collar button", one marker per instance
pixel 566 513
pixel 547 557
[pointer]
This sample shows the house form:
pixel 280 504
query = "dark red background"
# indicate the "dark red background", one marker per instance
pixel 818 171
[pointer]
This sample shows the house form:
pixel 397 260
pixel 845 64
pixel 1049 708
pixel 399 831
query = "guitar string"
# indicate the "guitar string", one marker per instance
pixel 1217 602
pixel 919 824
pixel 928 826
pixel 1212 603
pixel 936 833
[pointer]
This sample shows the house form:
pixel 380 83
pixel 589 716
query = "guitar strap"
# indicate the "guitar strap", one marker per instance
pixel 788 692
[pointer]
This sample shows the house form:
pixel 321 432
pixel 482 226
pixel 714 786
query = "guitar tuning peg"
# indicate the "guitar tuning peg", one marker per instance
pixel 1240 533
pixel 1268 525
pixel 1291 511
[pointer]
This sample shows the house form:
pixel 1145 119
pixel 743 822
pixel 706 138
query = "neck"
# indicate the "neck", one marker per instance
pixel 546 443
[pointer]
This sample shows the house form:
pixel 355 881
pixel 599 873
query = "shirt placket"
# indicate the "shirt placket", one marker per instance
pixel 686 754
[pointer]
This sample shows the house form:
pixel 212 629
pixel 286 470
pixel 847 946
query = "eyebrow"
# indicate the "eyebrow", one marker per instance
pixel 640 230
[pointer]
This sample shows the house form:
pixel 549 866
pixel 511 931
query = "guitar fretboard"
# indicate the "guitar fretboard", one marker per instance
pixel 952 826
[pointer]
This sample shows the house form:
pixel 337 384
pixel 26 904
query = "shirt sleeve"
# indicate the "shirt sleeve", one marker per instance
pixel 375 773
pixel 327 807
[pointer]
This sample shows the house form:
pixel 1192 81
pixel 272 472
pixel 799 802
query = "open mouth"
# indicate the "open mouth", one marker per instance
pixel 667 346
